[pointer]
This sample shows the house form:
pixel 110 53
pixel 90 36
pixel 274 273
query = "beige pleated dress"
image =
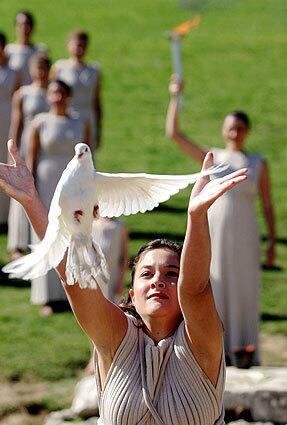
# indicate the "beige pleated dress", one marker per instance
pixel 33 102
pixel 235 265
pixel 58 137
pixel 8 80
pixel 19 58
pixel 83 78
pixel 161 384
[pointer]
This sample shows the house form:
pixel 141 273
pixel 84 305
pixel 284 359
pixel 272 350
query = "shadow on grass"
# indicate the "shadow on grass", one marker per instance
pixel 14 283
pixel 170 209
pixel 280 241
pixel 265 317
pixel 154 235
pixel 3 228
pixel 271 268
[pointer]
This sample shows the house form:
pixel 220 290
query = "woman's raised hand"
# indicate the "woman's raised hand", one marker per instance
pixel 16 181
pixel 175 87
pixel 206 191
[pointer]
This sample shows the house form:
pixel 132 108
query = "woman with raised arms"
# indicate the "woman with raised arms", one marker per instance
pixel 164 364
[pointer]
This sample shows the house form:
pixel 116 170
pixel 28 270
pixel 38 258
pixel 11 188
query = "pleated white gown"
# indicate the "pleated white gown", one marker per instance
pixel 58 137
pixel 33 102
pixel 235 266
pixel 83 78
pixel 8 79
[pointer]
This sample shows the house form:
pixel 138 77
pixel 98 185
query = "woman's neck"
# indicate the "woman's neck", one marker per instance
pixel 40 84
pixel 3 59
pixel 24 41
pixel 59 110
pixel 233 147
pixel 78 61
pixel 158 328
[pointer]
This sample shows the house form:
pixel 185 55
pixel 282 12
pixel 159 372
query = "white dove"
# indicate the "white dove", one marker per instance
pixel 80 196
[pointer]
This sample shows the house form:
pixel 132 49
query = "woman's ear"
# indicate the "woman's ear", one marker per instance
pixel 132 295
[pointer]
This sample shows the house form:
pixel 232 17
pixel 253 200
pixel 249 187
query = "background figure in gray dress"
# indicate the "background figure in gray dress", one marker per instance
pixel 235 264
pixel 23 49
pixel 54 135
pixel 85 82
pixel 28 101
pixel 9 82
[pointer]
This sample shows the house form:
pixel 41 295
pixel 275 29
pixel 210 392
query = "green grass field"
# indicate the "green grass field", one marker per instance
pixel 235 59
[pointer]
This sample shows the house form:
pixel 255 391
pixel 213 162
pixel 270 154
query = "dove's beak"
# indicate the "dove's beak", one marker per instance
pixel 80 155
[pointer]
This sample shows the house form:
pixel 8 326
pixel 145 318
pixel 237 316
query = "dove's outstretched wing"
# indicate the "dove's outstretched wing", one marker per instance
pixel 126 194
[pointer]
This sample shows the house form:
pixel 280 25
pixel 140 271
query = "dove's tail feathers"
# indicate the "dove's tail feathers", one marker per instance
pixel 86 264
pixel 44 256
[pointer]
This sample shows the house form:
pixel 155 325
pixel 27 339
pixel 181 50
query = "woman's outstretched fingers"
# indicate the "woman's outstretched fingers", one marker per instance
pixel 208 161
pixel 241 171
pixel 229 183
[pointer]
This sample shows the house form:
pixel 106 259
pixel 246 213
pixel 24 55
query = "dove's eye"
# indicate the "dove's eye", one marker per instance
pixel 86 150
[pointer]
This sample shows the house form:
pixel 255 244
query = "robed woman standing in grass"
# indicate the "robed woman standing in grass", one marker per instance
pixel 235 265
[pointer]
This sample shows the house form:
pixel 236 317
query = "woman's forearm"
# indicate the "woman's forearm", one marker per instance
pixel 270 223
pixel 196 255
pixel 172 131
pixel 37 214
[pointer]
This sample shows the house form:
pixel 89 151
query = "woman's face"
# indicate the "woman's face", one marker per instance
pixel 77 47
pixel 235 132
pixel 154 292
pixel 39 72
pixel 23 26
pixel 57 95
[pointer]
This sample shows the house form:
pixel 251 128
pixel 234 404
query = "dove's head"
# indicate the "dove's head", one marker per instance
pixel 82 152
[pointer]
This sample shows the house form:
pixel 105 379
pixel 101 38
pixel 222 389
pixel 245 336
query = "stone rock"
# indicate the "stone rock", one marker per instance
pixel 59 417
pixel 86 401
pixel 242 422
pixel 262 390
pixel 64 417
pixel 271 405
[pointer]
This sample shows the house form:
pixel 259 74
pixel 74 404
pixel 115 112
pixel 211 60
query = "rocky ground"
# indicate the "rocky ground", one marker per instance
pixel 22 403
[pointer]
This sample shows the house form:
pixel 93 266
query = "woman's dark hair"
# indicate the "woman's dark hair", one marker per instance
pixel 63 85
pixel 28 16
pixel 80 35
pixel 242 116
pixel 127 305
pixel 3 39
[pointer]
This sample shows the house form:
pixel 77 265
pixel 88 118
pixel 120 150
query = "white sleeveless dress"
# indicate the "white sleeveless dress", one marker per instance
pixel 162 384
pixel 235 265
pixel 108 234
pixel 8 80
pixel 19 57
pixel 83 78
pixel 58 137
pixel 33 102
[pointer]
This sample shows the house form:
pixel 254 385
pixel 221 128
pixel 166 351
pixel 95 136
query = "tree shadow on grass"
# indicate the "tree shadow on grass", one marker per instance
pixel 280 241
pixel 155 235
pixel 170 209
pixel 266 317
pixel 3 228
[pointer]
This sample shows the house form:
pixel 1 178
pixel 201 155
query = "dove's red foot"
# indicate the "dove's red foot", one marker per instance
pixel 77 215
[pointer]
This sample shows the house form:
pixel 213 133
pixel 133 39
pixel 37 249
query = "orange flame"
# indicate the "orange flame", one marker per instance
pixel 187 26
